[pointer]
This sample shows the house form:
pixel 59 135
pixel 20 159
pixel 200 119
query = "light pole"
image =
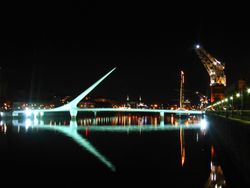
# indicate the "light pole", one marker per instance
pixel 227 105
pixel 248 93
pixel 241 100
pixel 232 105
pixel 238 96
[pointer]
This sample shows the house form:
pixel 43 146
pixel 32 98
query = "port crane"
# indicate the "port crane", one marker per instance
pixel 203 100
pixel 215 70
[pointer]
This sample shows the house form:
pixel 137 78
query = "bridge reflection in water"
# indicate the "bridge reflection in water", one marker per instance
pixel 128 124
pixel 86 131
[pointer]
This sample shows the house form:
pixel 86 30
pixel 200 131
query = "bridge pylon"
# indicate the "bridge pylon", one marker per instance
pixel 73 113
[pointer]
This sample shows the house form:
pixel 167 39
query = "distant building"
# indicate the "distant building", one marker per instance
pixel 237 86
pixel 97 103
pixel 241 85
pixel 187 104
pixel 135 104
pixel 32 105
pixel 104 103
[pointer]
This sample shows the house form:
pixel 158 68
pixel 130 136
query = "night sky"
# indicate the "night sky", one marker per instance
pixel 63 49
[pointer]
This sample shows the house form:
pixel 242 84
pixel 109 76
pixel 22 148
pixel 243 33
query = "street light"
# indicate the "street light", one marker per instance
pixel 248 90
pixel 238 95
pixel 232 104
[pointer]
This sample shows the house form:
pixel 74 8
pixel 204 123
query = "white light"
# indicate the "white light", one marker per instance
pixel 35 113
pixel 197 46
pixel 248 90
pixel 36 121
pixel 203 124
pixel 28 112
pixel 28 123
pixel 217 61
pixel 5 129
pixel 238 95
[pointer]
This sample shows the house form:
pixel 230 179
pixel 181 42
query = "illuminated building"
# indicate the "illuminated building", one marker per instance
pixel 135 104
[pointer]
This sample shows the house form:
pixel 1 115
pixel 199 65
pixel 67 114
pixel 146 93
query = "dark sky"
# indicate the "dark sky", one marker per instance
pixel 63 49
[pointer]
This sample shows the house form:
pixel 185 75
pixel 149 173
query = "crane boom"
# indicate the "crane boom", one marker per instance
pixel 215 70
pixel 214 67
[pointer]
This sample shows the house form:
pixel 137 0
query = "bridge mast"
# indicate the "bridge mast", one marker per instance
pixel 215 70
pixel 182 90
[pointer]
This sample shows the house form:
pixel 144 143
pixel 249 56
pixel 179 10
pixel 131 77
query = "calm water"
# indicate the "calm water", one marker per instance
pixel 126 149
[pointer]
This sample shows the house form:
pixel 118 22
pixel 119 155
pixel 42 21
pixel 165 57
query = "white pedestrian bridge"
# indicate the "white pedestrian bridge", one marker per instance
pixel 72 108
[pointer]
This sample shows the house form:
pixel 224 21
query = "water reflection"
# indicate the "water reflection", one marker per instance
pixel 3 127
pixel 216 178
pixel 126 124
pixel 182 146
pixel 70 131
pixel 121 120
pixel 81 129
pixel 28 123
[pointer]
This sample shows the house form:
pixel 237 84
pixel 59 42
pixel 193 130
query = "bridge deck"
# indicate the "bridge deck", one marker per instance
pixel 115 110
pixel 139 110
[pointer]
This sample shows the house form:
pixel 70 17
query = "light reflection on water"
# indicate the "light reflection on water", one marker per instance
pixel 110 124
pixel 78 131
pixel 3 127
pixel 216 178
pixel 123 120
pixel 70 131
pixel 117 123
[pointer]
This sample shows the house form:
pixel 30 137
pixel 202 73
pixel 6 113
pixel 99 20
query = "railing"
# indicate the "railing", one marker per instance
pixel 236 114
